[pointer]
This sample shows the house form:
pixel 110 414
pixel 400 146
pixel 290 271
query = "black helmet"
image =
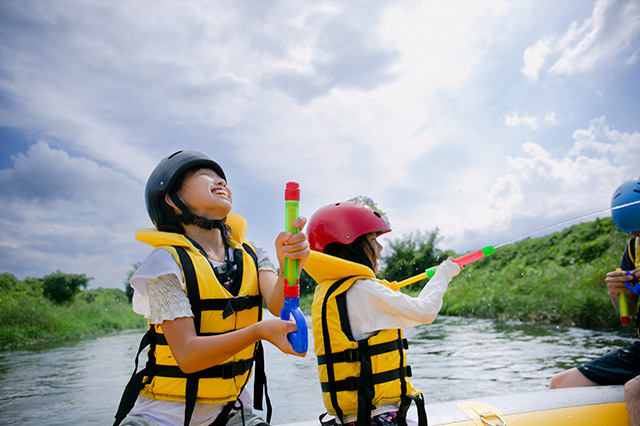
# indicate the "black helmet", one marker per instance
pixel 163 179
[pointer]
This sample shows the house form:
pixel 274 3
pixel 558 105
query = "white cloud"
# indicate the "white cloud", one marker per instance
pixel 68 213
pixel 535 57
pixel 531 121
pixel 540 188
pixel 632 59
pixel 516 120
pixel 608 33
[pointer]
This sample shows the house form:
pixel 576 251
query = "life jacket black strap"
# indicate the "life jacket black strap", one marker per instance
pixel 135 384
pixel 365 385
pixel 230 306
pixel 353 355
pixel 420 409
pixel 222 371
pixel 190 396
pixel 330 422
pixel 223 416
pixel 351 383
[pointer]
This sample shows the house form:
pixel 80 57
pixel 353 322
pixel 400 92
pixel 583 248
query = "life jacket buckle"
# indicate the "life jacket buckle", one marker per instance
pixel 351 355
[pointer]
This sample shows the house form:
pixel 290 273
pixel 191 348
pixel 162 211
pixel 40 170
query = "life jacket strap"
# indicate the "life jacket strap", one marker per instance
pixel 418 400
pixel 135 384
pixel 351 383
pixel 353 355
pixel 222 371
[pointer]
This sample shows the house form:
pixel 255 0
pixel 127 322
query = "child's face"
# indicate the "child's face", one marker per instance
pixel 372 237
pixel 206 194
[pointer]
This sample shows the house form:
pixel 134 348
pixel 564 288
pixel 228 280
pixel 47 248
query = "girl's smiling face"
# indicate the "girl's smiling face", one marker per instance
pixel 206 194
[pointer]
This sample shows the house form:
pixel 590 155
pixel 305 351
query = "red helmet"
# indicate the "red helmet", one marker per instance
pixel 343 223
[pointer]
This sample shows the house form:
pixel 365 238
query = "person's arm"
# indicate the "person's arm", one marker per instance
pixel 615 281
pixel 292 247
pixel 194 353
pixel 373 306
pixel 170 308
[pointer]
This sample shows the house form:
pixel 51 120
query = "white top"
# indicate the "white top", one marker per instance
pixel 372 306
pixel 159 295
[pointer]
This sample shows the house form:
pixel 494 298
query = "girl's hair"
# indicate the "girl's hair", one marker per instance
pixel 166 211
pixel 359 251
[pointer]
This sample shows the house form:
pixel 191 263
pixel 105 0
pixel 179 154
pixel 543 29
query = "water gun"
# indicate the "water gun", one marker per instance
pixel 622 299
pixel 299 339
pixel 462 260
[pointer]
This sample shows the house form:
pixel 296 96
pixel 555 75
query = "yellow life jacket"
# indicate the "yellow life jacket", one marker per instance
pixel 216 311
pixel 355 376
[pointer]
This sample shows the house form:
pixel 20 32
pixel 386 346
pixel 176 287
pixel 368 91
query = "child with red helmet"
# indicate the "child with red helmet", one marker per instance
pixel 358 319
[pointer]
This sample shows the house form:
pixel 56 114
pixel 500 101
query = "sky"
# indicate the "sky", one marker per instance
pixel 485 121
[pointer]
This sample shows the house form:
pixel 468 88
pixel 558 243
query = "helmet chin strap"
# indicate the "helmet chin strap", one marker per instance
pixel 188 218
pixel 225 272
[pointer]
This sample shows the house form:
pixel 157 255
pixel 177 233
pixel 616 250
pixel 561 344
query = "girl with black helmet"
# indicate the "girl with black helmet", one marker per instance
pixel 202 290
pixel 621 366
pixel 358 319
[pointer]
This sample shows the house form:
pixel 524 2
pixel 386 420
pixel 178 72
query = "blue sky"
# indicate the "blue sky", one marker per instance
pixel 486 120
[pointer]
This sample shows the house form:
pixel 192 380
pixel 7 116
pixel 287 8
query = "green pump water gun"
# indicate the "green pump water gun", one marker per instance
pixel 622 299
pixel 462 260
pixel 299 339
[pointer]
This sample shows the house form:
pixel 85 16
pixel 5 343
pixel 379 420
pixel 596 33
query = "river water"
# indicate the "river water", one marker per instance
pixel 454 358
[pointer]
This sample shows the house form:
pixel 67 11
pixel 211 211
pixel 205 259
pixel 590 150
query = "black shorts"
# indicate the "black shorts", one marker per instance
pixel 614 368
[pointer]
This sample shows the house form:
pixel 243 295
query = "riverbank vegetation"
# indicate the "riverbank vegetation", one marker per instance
pixel 556 279
pixel 55 308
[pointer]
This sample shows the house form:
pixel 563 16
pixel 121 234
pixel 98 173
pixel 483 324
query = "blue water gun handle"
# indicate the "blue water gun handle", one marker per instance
pixel 299 339
pixel 635 288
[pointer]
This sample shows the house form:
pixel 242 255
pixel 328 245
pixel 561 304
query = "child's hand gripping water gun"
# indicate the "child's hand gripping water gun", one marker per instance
pixel 461 261
pixel 299 339
pixel 622 298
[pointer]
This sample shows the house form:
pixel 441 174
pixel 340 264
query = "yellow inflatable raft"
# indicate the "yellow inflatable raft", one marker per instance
pixel 588 406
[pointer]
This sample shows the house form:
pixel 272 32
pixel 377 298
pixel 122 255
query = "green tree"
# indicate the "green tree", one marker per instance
pixel 62 288
pixel 412 255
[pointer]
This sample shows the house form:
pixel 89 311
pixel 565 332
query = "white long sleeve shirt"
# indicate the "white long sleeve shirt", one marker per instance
pixel 372 306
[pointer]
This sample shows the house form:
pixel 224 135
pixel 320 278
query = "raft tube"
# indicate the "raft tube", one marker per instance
pixel 592 406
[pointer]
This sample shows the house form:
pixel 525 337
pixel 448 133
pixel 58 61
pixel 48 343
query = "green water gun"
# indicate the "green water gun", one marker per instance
pixel 299 339
pixel 462 260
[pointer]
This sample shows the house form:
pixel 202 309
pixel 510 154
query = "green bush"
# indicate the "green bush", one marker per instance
pixel 61 288
pixel 28 317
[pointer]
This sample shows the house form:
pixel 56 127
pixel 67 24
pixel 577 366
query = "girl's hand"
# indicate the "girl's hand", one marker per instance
pixel 450 266
pixel 293 246
pixel 276 331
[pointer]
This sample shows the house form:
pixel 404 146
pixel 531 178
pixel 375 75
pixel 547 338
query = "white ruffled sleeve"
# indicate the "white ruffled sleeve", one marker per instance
pixel 160 262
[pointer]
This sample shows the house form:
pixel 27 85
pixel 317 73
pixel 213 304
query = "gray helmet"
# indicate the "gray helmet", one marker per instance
pixel 163 181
